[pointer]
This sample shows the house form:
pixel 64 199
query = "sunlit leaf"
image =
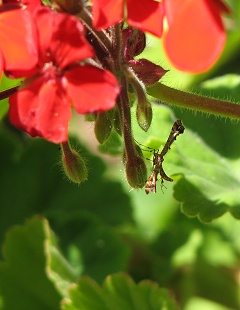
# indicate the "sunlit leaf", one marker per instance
pixel 208 184
pixel 118 292
pixel 23 280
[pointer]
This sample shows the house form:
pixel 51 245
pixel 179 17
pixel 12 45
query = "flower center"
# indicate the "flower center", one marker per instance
pixel 51 70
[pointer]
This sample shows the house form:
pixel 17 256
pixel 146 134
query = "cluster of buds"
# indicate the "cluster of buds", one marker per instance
pixel 71 54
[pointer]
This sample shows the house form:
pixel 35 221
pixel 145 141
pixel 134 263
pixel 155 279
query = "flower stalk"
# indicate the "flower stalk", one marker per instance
pixel 136 170
pixel 144 108
pixel 8 92
pixel 195 102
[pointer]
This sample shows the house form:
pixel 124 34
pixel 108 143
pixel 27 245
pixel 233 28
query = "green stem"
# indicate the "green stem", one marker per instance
pixel 66 148
pixel 180 98
pixel 136 84
pixel 126 121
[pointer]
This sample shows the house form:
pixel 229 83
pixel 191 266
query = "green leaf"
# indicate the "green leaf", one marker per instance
pixel 113 145
pixel 118 292
pixel 222 85
pixel 222 136
pixel 102 251
pixel 35 273
pixel 5 84
pixel 198 303
pixel 207 184
pixel 23 280
pixel 210 186
pixel 195 203
pixel 58 268
pixel 227 292
pixel 31 183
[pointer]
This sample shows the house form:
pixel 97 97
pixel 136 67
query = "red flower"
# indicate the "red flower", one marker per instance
pixel 18 49
pixel 145 15
pixel 43 108
pixel 195 37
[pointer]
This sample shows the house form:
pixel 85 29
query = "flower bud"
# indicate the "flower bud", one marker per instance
pixel 134 42
pixel 103 127
pixel 140 43
pixel 73 164
pixel 90 117
pixel 144 114
pixel 136 172
pixel 124 157
pixel 117 122
pixel 138 150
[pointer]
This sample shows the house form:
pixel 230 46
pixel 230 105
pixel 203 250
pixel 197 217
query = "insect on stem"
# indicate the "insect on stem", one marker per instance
pixel 176 130
pixel 150 186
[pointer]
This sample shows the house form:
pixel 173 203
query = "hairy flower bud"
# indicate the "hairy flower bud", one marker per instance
pixel 136 172
pixel 103 127
pixel 144 114
pixel 138 150
pixel 73 164
pixel 134 42
pixel 117 122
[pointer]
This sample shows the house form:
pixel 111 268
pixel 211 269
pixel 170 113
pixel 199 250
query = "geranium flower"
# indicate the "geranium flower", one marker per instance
pixel 18 48
pixel 145 15
pixel 195 37
pixel 43 108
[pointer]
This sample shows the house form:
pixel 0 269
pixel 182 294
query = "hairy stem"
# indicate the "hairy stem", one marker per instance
pixel 126 120
pixel 183 99
pixel 101 36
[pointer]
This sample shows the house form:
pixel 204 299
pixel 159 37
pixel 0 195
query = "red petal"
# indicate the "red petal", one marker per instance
pixel 172 8
pixel 92 89
pixel 106 13
pixel 32 5
pixel 62 47
pixel 146 15
pixel 44 20
pixel 42 109
pixel 194 41
pixel 70 45
pixel 18 40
